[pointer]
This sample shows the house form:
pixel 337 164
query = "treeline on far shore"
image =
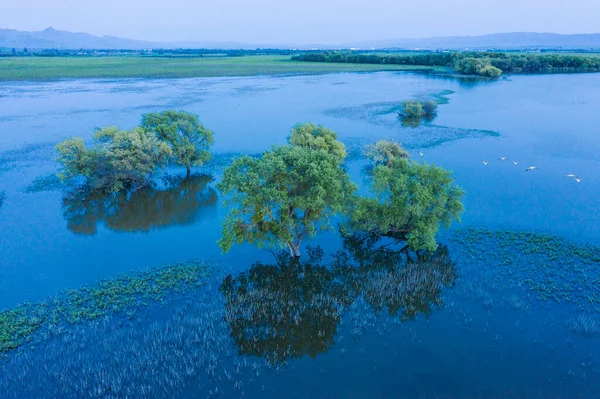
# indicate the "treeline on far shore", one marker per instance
pixel 52 52
pixel 490 64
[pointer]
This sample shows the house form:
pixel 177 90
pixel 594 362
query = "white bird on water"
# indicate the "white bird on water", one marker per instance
pixel 503 158
pixel 516 162
pixel 578 179
pixel 485 162
pixel 531 168
pixel 570 175
pixel 420 153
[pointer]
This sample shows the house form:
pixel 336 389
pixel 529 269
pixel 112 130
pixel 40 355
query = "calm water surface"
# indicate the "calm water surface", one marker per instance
pixel 489 317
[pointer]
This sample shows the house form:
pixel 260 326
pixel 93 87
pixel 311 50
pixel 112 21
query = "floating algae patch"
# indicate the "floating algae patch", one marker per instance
pixel 440 97
pixel 546 267
pixel 26 156
pixel 125 293
pixel 412 136
pixel 370 112
pixel 49 182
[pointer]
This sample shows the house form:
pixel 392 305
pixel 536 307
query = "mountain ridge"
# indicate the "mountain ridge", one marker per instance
pixel 51 38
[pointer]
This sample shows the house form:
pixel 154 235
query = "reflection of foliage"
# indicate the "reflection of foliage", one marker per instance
pixel 402 282
pixel 286 310
pixel 142 210
pixel 19 324
pixel 293 308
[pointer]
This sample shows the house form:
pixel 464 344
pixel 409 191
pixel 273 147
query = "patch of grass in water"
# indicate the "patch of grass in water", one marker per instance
pixel 551 268
pixel 49 182
pixel 440 97
pixel 19 325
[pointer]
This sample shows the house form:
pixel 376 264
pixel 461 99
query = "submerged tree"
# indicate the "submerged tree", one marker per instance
pixel 410 202
pixel 118 159
pixel 283 197
pixel 190 141
pixel 307 135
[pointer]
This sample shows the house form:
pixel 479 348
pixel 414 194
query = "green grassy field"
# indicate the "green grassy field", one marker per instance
pixel 51 68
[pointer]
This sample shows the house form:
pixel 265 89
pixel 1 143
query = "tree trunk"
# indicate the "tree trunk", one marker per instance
pixel 296 249
pixel 291 251
pixel 189 170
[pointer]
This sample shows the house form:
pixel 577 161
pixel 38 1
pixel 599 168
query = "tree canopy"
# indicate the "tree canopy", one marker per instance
pixel 307 135
pixel 384 152
pixel 410 202
pixel 188 138
pixel 117 160
pixel 282 197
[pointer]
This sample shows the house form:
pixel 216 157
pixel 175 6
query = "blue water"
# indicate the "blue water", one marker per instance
pixel 484 336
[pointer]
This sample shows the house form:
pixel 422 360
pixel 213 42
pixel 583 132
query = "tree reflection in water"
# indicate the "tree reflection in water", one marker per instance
pixel 294 307
pixel 181 201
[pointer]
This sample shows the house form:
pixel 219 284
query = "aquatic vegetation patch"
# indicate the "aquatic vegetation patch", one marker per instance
pixel 49 182
pixel 26 156
pixel 19 324
pixel 441 97
pixel 547 266
pixel 124 293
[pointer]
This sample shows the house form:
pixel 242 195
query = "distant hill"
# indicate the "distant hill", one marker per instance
pixel 517 40
pixel 57 39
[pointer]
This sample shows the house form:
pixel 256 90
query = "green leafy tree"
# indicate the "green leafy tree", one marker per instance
pixel 118 159
pixel 384 152
pixel 308 135
pixel 190 141
pixel 490 71
pixel 283 197
pixel 411 201
pixel 411 109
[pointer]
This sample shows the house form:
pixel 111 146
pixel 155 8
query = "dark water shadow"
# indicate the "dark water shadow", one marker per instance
pixel 180 202
pixel 293 308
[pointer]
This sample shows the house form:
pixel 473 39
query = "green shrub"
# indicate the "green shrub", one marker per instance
pixel 117 160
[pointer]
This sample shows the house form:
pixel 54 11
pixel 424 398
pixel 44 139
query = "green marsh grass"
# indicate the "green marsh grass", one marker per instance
pixel 52 68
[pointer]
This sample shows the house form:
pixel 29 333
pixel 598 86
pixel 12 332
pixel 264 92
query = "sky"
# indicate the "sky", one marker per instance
pixel 299 21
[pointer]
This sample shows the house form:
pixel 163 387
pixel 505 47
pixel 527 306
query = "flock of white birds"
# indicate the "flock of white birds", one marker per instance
pixel 530 168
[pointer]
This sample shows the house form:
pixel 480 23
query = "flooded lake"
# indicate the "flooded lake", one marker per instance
pixel 508 307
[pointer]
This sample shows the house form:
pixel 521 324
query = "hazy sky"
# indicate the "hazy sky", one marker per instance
pixel 299 21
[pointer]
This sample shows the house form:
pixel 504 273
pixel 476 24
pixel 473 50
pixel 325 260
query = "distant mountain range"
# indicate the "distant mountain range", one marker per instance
pixel 57 39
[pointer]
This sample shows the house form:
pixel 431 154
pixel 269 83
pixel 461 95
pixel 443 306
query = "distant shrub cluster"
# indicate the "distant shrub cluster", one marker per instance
pixel 488 64
pixel 418 109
